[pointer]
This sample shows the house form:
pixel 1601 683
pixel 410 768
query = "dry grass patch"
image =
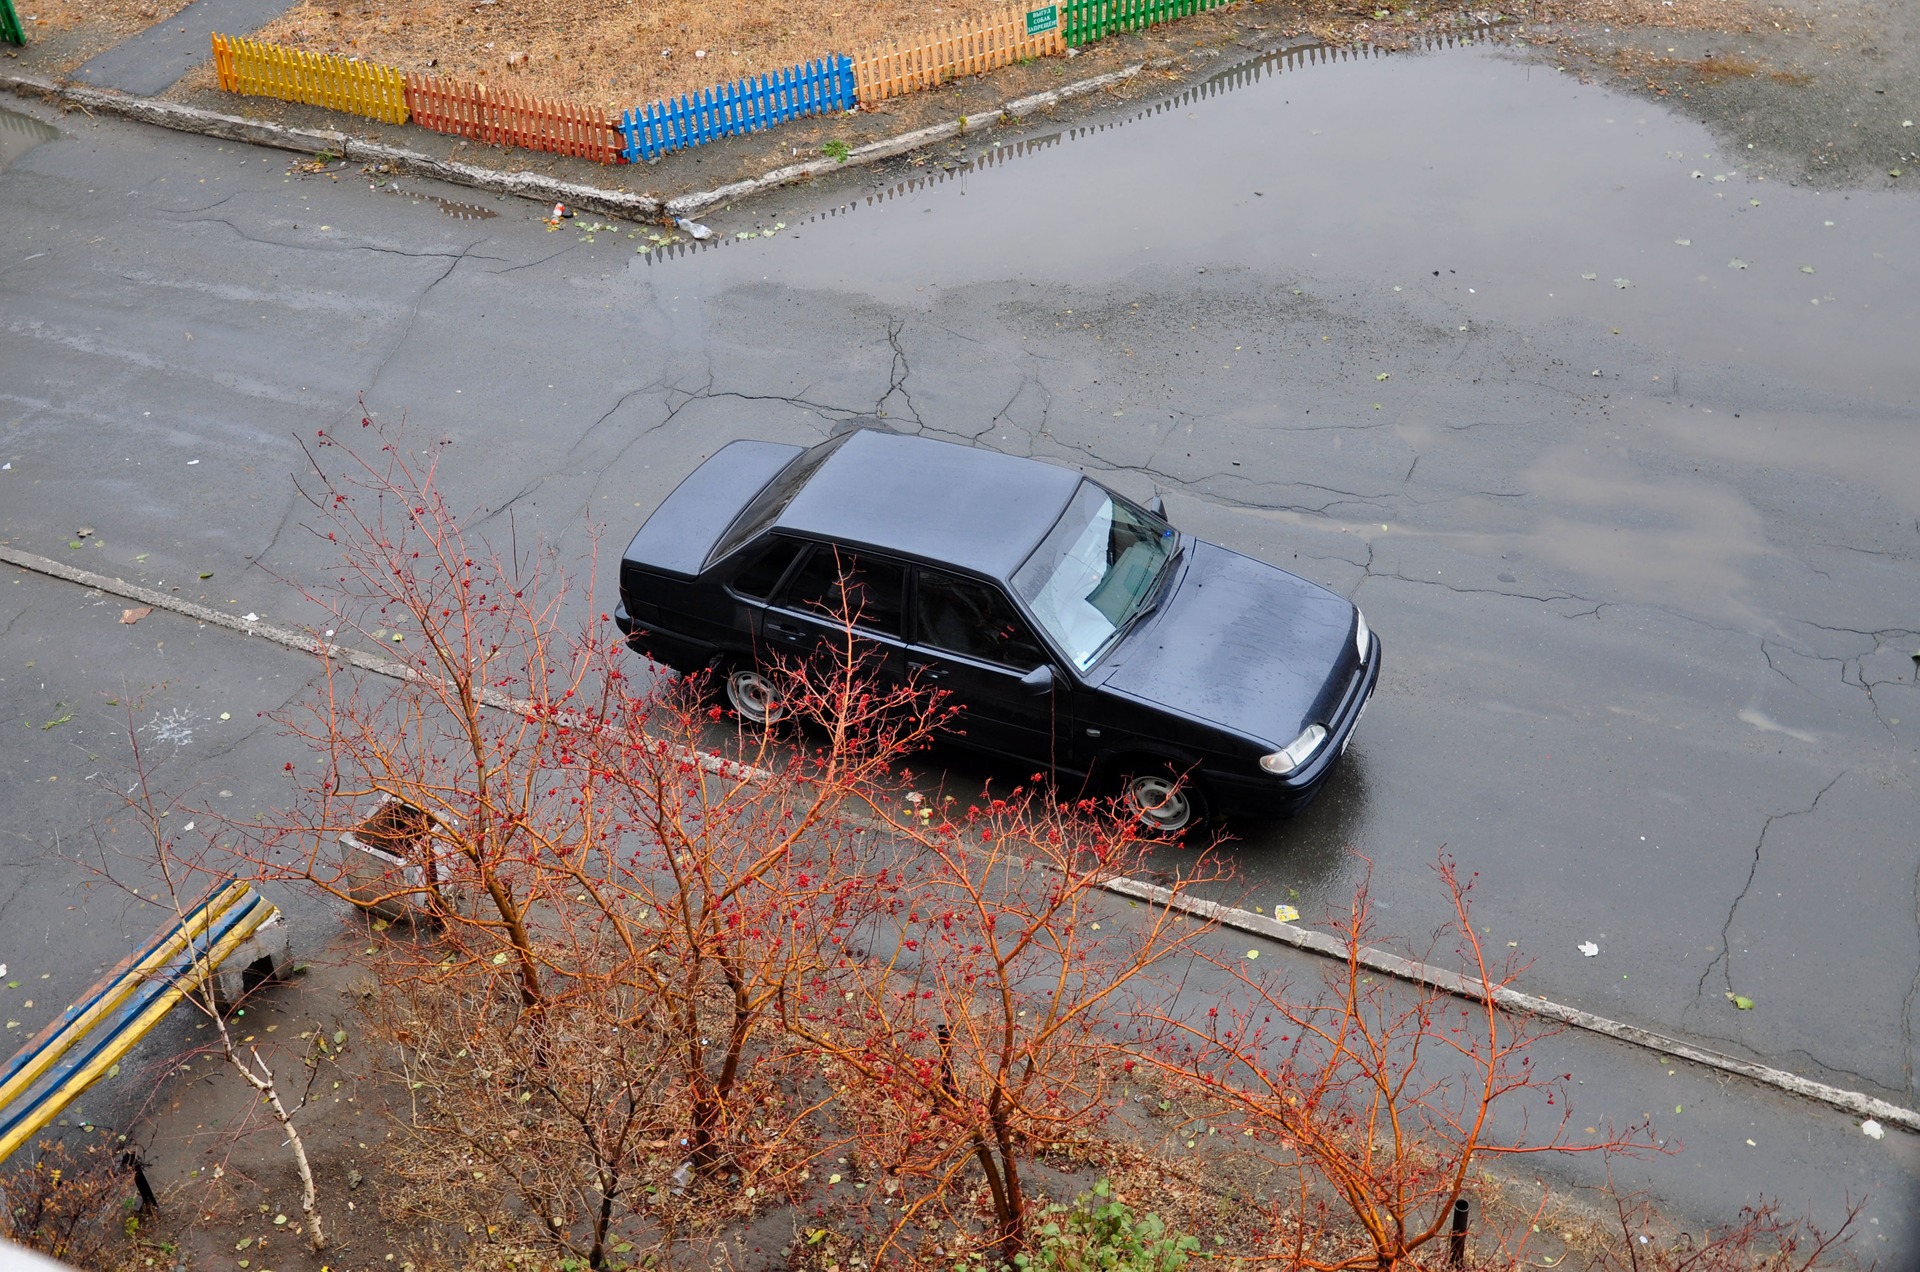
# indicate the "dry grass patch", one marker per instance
pixel 618 55
pixel 115 18
pixel 1662 70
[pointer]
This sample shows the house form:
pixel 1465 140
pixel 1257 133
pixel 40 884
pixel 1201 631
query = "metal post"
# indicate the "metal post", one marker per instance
pixel 1457 1241
pixel 149 1204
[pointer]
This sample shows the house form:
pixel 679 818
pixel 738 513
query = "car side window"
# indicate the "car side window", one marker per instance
pixel 834 581
pixel 969 618
pixel 764 573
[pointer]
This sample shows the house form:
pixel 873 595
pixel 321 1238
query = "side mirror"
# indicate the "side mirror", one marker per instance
pixel 1039 681
pixel 1158 507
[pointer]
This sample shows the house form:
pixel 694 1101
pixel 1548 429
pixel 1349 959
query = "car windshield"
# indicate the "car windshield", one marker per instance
pixel 1094 572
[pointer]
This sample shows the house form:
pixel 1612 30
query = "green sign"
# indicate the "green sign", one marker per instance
pixel 1041 21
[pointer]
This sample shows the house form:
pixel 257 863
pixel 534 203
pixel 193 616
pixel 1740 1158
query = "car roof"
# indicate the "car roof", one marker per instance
pixel 973 508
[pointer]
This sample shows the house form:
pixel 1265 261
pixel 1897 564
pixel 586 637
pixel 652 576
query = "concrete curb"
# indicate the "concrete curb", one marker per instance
pixel 313 141
pixel 1513 1000
pixel 1251 922
pixel 298 641
pixel 886 148
pixel 527 185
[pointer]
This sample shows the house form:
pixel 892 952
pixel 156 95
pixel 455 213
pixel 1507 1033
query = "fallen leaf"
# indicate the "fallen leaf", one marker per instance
pixel 1253 953
pixel 135 614
pixel 1623 282
pixel 1589 277
pixel 1806 269
pixel 1286 914
pixel 1742 1002
pixel 1736 263
pixel 1872 1129
pixel 1684 242
pixel 206 574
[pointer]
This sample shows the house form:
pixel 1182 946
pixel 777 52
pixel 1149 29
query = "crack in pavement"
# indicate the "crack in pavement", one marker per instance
pixel 462 254
pixel 413 314
pixel 273 541
pixel 605 415
pixel 1724 958
pixel 897 378
pixel 529 264
pixel 525 490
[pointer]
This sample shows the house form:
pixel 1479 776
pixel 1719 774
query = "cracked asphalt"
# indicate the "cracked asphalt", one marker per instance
pixel 1610 436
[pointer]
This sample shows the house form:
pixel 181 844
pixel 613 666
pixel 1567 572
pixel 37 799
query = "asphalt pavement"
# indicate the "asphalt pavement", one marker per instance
pixel 1611 440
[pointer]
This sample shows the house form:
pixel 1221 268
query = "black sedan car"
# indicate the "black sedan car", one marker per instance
pixel 1078 631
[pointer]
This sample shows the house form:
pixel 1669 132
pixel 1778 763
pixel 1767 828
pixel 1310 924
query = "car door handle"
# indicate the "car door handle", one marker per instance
pixel 789 630
pixel 928 671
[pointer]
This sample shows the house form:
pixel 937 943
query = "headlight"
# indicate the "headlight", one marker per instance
pixel 1296 752
pixel 1362 636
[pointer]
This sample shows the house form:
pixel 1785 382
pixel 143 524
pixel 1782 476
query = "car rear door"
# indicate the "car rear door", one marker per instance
pixel 967 638
pixel 833 593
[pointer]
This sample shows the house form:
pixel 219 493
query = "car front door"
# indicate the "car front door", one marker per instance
pixel 968 639
pixel 835 600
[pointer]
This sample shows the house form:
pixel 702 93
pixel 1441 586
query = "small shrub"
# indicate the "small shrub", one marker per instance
pixel 1100 1234
pixel 65 1204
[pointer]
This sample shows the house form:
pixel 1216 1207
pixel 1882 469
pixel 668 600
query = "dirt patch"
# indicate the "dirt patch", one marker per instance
pixel 117 18
pixel 625 55
pixel 1658 69
pixel 617 55
pixel 229 1195
pixel 1811 93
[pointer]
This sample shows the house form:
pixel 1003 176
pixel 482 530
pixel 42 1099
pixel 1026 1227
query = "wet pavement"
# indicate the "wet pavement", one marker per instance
pixel 1612 442
pixel 21 133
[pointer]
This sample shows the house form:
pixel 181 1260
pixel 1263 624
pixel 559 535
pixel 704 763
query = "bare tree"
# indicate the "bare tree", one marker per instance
pixel 1373 1095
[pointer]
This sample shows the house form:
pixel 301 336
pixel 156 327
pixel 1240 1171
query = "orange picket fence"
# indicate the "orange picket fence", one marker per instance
pixel 966 46
pixel 259 69
pixel 501 117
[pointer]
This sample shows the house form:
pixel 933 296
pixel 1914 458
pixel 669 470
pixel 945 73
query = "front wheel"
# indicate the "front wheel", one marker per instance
pixel 754 696
pixel 1162 799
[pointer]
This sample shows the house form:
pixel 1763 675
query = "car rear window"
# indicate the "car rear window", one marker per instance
pixel 774 497
pixel 760 578
pixel 837 584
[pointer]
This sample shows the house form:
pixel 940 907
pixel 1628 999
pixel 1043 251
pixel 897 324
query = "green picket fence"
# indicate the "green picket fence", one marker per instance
pixel 11 31
pixel 1088 20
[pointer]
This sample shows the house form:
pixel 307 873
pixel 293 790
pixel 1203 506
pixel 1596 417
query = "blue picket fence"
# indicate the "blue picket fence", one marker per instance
pixel 743 106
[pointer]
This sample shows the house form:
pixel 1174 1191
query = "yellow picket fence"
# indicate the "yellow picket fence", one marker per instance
pixel 966 46
pixel 319 79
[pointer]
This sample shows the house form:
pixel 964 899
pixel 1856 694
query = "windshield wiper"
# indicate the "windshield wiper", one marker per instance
pixel 1151 601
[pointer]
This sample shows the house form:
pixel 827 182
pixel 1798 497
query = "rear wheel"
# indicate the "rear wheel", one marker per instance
pixel 1162 798
pixel 753 695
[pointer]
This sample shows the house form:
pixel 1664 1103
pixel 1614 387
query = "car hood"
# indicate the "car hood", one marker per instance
pixel 1243 644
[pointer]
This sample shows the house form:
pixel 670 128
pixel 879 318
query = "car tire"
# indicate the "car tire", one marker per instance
pixel 1162 798
pixel 753 697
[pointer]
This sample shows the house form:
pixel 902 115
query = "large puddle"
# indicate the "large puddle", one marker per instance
pixel 21 133
pixel 1471 174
